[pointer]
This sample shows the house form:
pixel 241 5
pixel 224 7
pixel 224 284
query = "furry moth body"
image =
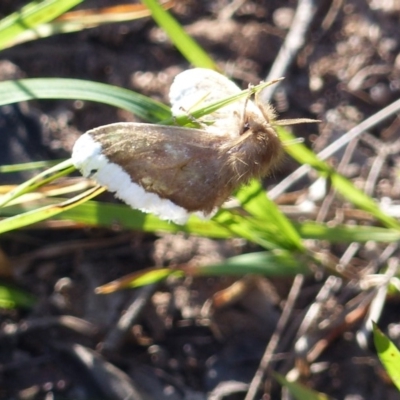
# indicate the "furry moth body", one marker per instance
pixel 173 171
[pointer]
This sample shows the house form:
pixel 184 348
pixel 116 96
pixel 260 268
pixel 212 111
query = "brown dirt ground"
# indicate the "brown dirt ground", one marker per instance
pixel 176 341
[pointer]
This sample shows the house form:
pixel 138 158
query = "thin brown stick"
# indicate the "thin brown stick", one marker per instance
pixel 294 41
pixel 115 337
pixel 273 343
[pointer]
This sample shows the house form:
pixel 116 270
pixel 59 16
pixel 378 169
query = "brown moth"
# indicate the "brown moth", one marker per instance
pixel 173 171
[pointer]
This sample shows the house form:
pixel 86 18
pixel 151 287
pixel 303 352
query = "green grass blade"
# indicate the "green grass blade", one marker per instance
pixel 105 214
pixel 389 355
pixel 255 201
pixel 85 19
pixel 223 225
pixel 183 42
pixel 41 179
pixel 305 156
pixel 137 279
pixel 57 88
pixel 152 277
pixel 247 228
pixel 270 264
pixel 30 217
pixel 11 298
pixel 361 200
pixel 30 16
pixel 299 391
pixel 97 213
pixel 185 119
pixel 267 263
pixel 4 169
pixel 346 234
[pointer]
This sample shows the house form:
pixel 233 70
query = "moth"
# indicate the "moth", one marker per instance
pixel 174 171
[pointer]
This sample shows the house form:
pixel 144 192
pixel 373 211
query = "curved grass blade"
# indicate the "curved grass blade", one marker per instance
pixel 183 42
pixel 74 89
pixel 76 21
pixel 224 225
pixel 4 169
pixel 96 213
pixel 268 216
pixel 43 196
pixel 31 16
pixel 37 215
pixel 41 179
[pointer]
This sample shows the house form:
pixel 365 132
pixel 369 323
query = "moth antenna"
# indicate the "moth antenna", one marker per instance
pixel 270 114
pixel 295 121
pixel 288 143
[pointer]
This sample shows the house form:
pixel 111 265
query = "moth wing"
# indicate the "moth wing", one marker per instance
pixel 178 164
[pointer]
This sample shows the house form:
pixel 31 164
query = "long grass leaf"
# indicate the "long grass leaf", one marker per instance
pixel 272 264
pixel 77 21
pixel 183 42
pixel 31 16
pixel 75 89
pixel 346 233
pixel 28 166
pixel 37 215
pixel 268 263
pixel 38 180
